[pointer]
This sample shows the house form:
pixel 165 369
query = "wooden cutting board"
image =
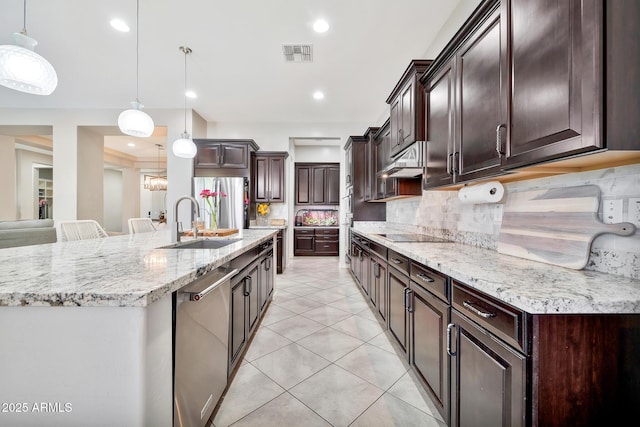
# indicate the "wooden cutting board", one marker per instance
pixel 213 233
pixel 555 226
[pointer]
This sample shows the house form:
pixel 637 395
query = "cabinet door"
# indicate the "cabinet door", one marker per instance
pixel 261 179
pixel 395 120
pixel 238 330
pixel 440 121
pixel 208 156
pixel 407 117
pixel 348 157
pixel 275 178
pixel 303 244
pixel 488 378
pixel 269 267
pixel 234 156
pixel 318 185
pixel 382 290
pixel 429 356
pixel 365 268
pixel 263 291
pixel 251 293
pixel 481 99
pixel 556 79
pixel 303 185
pixel 333 185
pixel 398 322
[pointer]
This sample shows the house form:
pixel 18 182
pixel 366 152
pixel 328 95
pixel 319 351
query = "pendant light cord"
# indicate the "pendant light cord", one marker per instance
pixel 24 18
pixel 186 50
pixel 137 49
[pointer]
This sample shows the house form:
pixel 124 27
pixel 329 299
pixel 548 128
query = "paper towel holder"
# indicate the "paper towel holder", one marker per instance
pixel 487 192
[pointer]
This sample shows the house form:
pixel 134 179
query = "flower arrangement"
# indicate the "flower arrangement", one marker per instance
pixel 42 202
pixel 213 200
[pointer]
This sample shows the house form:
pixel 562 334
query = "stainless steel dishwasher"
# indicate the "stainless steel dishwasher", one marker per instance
pixel 201 346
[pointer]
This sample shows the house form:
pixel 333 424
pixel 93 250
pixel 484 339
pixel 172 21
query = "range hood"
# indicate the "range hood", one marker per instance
pixel 407 164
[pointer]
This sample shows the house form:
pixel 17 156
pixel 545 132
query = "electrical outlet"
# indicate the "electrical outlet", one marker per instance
pixel 634 210
pixel 497 213
pixel 612 211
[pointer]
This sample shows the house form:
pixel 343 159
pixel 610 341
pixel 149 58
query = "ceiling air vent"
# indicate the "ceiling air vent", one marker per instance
pixel 297 52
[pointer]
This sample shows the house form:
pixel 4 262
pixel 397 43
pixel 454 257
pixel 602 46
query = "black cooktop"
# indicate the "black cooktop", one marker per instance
pixel 419 238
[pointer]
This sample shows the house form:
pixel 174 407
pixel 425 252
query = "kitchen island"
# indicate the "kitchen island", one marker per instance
pixel 86 327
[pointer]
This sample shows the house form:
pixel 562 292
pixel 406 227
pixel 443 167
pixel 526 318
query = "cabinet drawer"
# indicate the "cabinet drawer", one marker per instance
pixel 321 238
pixel 378 249
pixel 398 261
pixel 499 318
pixel 303 232
pixel 430 280
pixel 327 247
pixel 326 232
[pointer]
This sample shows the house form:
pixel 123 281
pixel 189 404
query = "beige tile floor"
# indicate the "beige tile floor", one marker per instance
pixel 320 358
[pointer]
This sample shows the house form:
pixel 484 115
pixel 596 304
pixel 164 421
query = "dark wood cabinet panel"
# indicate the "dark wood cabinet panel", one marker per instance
pixel 238 330
pixel 481 70
pixel 251 292
pixel 280 252
pixel 303 185
pixel 333 185
pixel 319 186
pixel 361 147
pixel 488 379
pixel 318 241
pixel 398 284
pixel 406 105
pixel 222 157
pixel 556 74
pixel 440 124
pixel 268 177
pixel 317 183
pixel 348 163
pixel 429 358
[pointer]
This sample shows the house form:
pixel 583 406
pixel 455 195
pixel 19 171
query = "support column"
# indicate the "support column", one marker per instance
pixel 8 195
pixel 90 181
pixel 65 171
pixel 130 196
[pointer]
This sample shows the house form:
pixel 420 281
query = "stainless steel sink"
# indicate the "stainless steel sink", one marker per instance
pixel 202 244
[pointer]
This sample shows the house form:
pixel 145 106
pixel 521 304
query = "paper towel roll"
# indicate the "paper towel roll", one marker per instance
pixel 489 192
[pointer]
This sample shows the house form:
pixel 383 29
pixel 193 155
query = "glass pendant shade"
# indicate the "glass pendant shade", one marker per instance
pixel 135 122
pixel 24 70
pixel 155 183
pixel 184 147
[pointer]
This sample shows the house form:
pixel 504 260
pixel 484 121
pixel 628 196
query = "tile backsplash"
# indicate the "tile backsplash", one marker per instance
pixel 440 213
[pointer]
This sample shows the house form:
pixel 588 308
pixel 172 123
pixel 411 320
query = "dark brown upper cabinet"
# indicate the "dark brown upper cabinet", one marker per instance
pixel 317 184
pixel 348 163
pixel 268 176
pixel 218 157
pixel 406 106
pixel 555 97
pixel 363 173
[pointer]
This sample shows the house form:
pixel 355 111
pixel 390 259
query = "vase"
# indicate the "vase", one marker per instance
pixel 213 224
pixel 262 220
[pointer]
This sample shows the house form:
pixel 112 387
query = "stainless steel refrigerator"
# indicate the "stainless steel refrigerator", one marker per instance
pixel 232 211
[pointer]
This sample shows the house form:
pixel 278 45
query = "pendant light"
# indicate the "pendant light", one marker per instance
pixel 134 121
pixel 184 147
pixel 24 70
pixel 156 183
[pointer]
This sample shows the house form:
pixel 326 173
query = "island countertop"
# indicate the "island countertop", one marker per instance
pixel 121 271
pixel 534 287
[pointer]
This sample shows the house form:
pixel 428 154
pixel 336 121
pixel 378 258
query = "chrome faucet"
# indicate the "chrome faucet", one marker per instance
pixel 175 231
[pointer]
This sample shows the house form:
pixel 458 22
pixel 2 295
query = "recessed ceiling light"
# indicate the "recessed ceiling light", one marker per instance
pixel 190 94
pixel 320 26
pixel 119 25
pixel 131 144
pixel 318 95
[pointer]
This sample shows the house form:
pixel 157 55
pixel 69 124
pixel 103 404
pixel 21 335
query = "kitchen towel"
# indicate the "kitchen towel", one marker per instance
pixel 489 192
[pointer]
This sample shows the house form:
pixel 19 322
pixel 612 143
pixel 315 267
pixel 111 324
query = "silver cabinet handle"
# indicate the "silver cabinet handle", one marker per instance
pixel 450 326
pixel 404 299
pixel 424 277
pixel 449 170
pixel 376 271
pixel 396 261
pixel 197 296
pixel 469 306
pixel 499 140
pixel 409 304
pixel 247 292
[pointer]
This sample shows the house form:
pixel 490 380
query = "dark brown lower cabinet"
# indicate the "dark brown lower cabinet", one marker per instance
pixel 280 251
pixel 428 352
pixel 398 315
pixel 266 279
pixel 303 242
pixel 316 241
pixel 488 378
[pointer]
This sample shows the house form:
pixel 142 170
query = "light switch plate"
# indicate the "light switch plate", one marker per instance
pixel 612 211
pixel 497 213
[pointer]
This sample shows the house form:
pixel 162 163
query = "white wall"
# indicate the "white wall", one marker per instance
pixel 318 154
pixel 8 178
pixel 113 200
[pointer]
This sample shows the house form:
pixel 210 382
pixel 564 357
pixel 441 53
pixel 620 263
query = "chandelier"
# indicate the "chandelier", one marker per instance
pixel 156 183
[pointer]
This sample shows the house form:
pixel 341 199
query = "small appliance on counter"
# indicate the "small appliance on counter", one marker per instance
pixel 317 218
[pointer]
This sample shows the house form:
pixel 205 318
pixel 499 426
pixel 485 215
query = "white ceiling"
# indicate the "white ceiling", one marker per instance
pixel 237 66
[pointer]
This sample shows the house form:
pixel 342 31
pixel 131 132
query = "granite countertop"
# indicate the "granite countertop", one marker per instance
pixel 267 227
pixel 534 287
pixel 121 271
pixel 323 227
